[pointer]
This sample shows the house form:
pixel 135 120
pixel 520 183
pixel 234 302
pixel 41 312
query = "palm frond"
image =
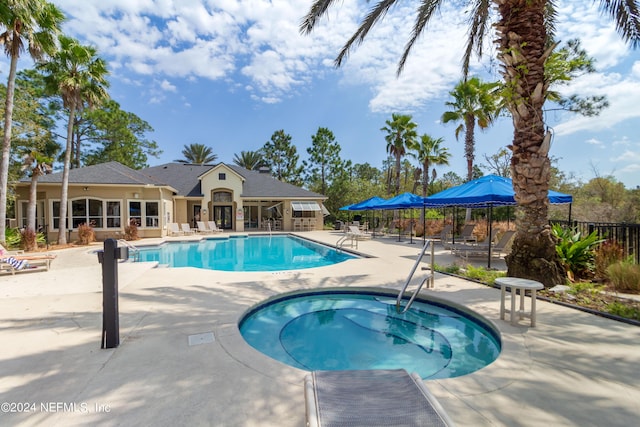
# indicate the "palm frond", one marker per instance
pixel 378 12
pixel 626 15
pixel 478 28
pixel 318 9
pixel 425 13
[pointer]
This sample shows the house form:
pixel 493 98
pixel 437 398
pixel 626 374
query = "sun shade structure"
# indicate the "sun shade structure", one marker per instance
pixel 366 205
pixel 490 190
pixel 402 201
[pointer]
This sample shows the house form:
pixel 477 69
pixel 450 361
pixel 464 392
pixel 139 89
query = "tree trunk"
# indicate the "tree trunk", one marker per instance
pixel 64 191
pixel 31 207
pixel 521 39
pixel 6 147
pixel 469 149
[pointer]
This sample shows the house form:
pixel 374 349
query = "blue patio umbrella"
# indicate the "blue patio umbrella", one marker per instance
pixel 369 204
pixel 490 190
pixel 403 201
pixel 487 191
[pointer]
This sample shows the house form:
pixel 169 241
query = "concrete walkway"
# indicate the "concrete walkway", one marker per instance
pixel 573 369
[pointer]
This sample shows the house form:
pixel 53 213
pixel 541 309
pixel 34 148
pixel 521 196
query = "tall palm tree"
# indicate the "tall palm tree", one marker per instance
pixel 524 29
pixel 429 152
pixel 474 102
pixel 251 160
pixel 198 154
pixel 79 76
pixel 401 135
pixel 34 23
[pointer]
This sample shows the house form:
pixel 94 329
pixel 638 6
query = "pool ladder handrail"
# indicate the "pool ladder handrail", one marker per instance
pixel 430 278
pixel 342 240
pixel 134 252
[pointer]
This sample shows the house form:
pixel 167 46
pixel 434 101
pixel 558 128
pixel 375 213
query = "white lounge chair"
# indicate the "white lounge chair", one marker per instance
pixel 186 229
pixel 482 250
pixel 16 264
pixel 371 398
pixel 214 228
pixel 202 228
pixel 174 229
pixel 355 233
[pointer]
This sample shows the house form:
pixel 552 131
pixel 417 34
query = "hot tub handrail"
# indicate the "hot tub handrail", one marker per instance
pixel 429 278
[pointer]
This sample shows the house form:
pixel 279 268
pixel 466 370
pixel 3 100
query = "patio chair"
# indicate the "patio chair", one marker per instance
pixel 202 228
pixel 355 233
pixel 174 229
pixel 370 398
pixel 214 228
pixel 186 230
pixel 467 233
pixel 482 250
pixel 13 264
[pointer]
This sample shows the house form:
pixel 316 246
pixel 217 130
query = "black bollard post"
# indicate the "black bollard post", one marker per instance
pixel 110 325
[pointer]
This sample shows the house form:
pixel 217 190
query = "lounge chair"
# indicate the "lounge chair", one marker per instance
pixel 355 233
pixel 370 398
pixel 186 230
pixel 481 250
pixel 13 264
pixel 202 228
pixel 174 229
pixel 214 228
pixel 467 234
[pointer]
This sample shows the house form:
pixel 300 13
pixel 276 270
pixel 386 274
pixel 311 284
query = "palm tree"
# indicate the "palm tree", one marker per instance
pixel 198 154
pixel 429 152
pixel 401 134
pixel 79 76
pixel 36 164
pixel 524 30
pixel 251 160
pixel 34 23
pixel 474 103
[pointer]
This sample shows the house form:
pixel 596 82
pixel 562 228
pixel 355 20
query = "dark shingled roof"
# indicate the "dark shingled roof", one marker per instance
pixel 185 178
pixel 104 173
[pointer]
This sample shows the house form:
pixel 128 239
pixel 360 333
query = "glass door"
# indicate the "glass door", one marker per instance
pixel 223 216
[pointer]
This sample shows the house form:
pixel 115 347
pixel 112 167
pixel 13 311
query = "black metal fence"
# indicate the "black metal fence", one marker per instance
pixel 627 235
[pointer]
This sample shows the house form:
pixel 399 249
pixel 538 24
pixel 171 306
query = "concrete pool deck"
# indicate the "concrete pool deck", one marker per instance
pixel 572 369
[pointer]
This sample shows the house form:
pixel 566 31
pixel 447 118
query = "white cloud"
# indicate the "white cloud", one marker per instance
pixel 594 141
pixel 166 85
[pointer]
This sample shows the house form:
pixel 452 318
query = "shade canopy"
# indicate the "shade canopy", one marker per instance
pixel 490 190
pixel 365 205
pixel 402 201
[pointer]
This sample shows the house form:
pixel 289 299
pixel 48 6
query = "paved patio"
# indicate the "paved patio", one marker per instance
pixel 573 369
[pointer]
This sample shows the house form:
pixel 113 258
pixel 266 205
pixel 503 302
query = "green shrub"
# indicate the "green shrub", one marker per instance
pixel 483 275
pixel 623 310
pixel 624 276
pixel 576 252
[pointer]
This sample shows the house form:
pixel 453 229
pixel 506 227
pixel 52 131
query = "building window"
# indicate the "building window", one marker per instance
pixel 147 213
pixel 86 211
pixel 222 197
pixel 152 214
pixel 113 215
pixel 222 176
pixel 24 207
pixel 55 213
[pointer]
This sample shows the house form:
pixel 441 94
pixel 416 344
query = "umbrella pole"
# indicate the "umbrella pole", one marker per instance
pixel 411 228
pixel 490 230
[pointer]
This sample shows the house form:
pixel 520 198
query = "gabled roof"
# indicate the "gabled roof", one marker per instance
pixel 185 178
pixel 104 173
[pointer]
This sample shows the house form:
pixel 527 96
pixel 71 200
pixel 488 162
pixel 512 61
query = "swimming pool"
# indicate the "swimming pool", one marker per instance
pixel 246 253
pixel 350 329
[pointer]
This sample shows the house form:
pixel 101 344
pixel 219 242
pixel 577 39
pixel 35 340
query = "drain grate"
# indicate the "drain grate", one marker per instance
pixel 204 338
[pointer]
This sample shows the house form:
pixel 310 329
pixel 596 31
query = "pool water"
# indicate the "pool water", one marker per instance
pixel 253 253
pixel 348 330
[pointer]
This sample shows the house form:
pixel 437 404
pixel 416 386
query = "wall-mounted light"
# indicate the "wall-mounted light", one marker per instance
pixel 85 188
pixel 136 195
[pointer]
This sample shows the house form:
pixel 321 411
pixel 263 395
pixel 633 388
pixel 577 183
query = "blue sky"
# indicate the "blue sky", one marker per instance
pixel 228 73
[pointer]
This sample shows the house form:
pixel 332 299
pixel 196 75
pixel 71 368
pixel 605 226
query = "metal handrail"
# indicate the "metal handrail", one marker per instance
pixel 430 278
pixel 132 249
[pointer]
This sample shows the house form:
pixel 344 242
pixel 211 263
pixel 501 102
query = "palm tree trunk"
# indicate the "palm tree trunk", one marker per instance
pixel 31 207
pixel 6 146
pixel 469 148
pixel 522 38
pixel 64 192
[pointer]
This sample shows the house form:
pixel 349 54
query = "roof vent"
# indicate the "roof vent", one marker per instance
pixel 264 169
